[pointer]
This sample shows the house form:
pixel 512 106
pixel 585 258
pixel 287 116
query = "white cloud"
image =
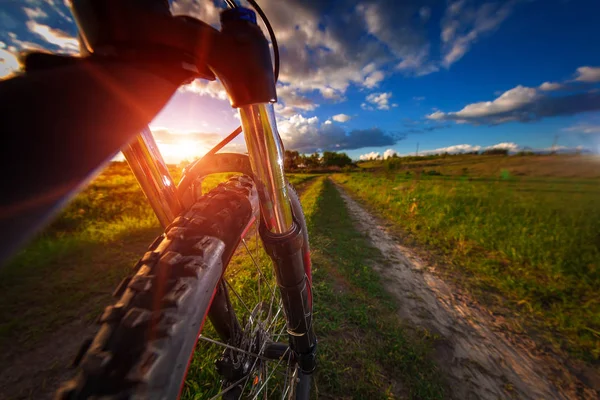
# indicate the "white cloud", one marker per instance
pixel 526 104
pixel 436 115
pixel 373 79
pixel 419 98
pixel 203 10
pixel 417 64
pixel 284 111
pixel 328 54
pixel 522 104
pixel 332 94
pixel 463 24
pixel 320 53
pixel 588 74
pixel 23 45
pixel 370 156
pixel 380 100
pixel 497 111
pixel 394 25
pixel 341 118
pixel 334 45
pixel 8 63
pixel 389 153
pixel 34 13
pixel 54 36
pixel 206 88
pixel 586 128
pixel 291 98
pixel 455 149
pixel 550 86
pixel 366 107
pixel 308 134
pixel 63 11
pixel 510 146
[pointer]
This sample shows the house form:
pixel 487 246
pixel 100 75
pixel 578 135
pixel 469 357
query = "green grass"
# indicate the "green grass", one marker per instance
pixel 529 243
pixel 557 167
pixel 69 270
pixel 363 350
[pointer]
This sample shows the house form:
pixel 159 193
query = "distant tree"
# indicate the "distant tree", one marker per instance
pixel 312 161
pixel 333 159
pixel 496 152
pixel 525 153
pixel 291 160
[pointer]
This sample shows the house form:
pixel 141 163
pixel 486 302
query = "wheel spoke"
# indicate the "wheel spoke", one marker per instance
pixel 209 340
pixel 270 375
pixel 237 295
pixel 290 388
pixel 257 267
pixel 222 392
pixel 275 317
pixel 287 371
pixel 266 368
pixel 265 323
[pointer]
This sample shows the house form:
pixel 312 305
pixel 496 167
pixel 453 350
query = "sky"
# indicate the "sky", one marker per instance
pixel 377 77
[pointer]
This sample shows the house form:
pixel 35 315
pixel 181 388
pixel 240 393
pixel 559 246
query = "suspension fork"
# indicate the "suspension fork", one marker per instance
pixel 283 229
pixel 152 174
pixel 242 62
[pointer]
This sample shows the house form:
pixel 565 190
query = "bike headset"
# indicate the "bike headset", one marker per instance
pixel 132 28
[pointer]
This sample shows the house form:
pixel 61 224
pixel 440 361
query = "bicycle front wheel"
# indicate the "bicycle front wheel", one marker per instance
pixel 146 341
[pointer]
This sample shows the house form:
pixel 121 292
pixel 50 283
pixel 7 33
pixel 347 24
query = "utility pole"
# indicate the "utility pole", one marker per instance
pixel 417 152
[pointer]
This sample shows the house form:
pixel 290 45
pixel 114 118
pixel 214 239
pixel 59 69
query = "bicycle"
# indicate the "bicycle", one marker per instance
pixel 138 50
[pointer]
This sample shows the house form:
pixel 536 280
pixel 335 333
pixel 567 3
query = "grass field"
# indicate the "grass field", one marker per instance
pixel 364 352
pixel 69 270
pixel 521 232
pixel 81 256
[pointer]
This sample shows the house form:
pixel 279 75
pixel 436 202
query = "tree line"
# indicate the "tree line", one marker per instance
pixel 294 160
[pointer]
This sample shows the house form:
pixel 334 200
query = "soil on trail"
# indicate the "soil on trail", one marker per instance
pixel 38 373
pixel 479 361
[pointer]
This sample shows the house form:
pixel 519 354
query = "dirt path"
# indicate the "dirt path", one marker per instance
pixel 480 362
pixel 37 373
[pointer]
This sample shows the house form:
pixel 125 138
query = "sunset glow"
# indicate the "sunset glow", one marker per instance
pixel 382 77
pixel 182 150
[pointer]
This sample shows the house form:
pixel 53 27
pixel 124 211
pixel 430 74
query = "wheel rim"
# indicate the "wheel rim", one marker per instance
pixel 256 299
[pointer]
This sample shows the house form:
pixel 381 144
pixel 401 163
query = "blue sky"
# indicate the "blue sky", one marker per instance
pixel 366 77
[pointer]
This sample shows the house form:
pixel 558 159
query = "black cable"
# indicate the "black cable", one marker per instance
pixel 271 34
pixel 231 3
pixel 238 130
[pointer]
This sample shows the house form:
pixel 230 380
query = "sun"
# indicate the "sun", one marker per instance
pixel 181 150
